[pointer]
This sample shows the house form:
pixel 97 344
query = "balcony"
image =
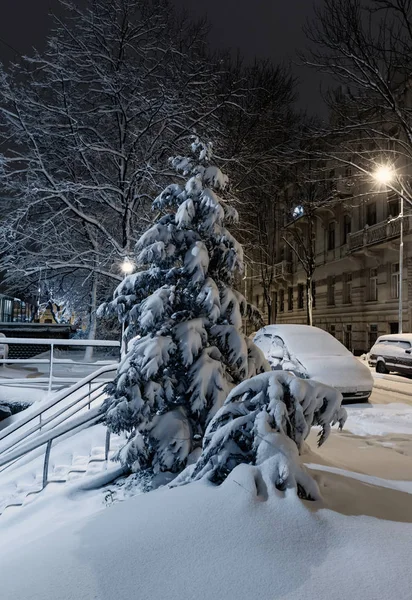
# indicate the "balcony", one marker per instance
pixel 282 269
pixel 378 234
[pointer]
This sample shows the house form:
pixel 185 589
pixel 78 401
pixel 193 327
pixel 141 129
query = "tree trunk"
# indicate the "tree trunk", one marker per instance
pixel 269 307
pixel 309 301
pixel 88 355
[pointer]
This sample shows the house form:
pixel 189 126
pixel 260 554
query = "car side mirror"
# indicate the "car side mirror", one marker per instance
pixel 408 351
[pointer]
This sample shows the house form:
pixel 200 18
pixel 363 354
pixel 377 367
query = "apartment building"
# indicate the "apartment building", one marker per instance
pixel 356 280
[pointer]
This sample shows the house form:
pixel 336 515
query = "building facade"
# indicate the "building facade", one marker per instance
pixel 356 279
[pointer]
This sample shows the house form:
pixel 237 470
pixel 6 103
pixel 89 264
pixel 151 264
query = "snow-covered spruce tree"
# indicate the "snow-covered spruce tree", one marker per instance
pixel 191 351
pixel 264 422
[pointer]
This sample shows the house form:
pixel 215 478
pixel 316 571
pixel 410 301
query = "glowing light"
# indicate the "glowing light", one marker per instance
pixel 298 212
pixel 384 174
pixel 127 266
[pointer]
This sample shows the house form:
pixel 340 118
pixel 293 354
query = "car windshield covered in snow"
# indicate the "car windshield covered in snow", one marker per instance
pixel 310 340
pixel 277 340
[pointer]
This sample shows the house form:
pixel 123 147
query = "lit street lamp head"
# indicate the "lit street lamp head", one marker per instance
pixel 127 266
pixel 384 174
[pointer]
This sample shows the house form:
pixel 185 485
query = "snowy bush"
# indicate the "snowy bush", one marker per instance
pixel 186 318
pixel 264 422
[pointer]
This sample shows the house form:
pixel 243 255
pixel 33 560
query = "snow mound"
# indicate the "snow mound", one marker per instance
pixel 264 421
pixel 394 418
pixel 204 542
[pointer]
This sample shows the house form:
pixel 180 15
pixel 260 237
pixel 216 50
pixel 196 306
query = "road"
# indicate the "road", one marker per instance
pixel 376 440
pixel 391 388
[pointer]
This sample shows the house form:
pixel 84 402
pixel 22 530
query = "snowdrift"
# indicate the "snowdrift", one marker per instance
pixel 205 542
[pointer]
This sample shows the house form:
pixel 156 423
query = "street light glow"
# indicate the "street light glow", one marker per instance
pixel 384 174
pixel 127 266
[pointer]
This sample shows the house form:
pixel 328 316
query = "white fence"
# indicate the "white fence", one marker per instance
pixel 51 372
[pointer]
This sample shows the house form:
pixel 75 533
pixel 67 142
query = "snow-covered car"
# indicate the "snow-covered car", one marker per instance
pixel 392 352
pixel 312 353
pixel 4 348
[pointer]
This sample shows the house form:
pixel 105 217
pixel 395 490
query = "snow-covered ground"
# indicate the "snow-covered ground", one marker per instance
pixel 232 542
pixel 26 394
pixel 200 542
pixel 379 420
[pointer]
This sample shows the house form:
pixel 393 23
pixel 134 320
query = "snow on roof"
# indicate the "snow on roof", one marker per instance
pixel 396 336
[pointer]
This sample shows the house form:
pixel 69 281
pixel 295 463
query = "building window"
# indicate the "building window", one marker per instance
pixel 290 298
pixel 313 294
pixel 373 285
pixel 331 236
pixel 372 335
pixel 300 295
pixel 371 214
pixel 332 330
pixel 347 228
pixel 331 291
pixel 395 280
pixel 6 310
pixel 281 300
pixel 347 288
pixel 348 171
pixel 393 207
pixel 348 337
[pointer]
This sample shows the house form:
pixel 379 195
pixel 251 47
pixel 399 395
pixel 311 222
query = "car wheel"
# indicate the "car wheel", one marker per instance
pixel 381 367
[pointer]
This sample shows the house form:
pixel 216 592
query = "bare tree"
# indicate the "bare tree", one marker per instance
pixel 310 192
pixel 367 47
pixel 267 259
pixel 260 134
pixel 87 125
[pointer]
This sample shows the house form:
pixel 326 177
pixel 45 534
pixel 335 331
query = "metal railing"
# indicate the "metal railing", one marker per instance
pixel 52 361
pixel 37 413
pixel 56 425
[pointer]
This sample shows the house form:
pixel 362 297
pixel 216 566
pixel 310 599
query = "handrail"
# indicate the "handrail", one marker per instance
pixel 71 421
pixel 77 407
pixel 42 424
pixel 93 415
pixel 54 399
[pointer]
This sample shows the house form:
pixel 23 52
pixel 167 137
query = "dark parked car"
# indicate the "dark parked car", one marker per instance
pixel 392 352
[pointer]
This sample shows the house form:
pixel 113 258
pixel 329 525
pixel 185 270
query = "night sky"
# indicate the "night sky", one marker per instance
pixel 263 28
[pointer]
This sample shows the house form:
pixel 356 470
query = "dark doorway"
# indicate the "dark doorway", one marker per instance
pixel 394 327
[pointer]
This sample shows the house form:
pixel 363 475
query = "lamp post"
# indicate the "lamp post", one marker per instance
pixel 127 268
pixel 384 175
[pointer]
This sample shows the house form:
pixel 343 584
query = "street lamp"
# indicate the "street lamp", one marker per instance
pixel 384 175
pixel 127 268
